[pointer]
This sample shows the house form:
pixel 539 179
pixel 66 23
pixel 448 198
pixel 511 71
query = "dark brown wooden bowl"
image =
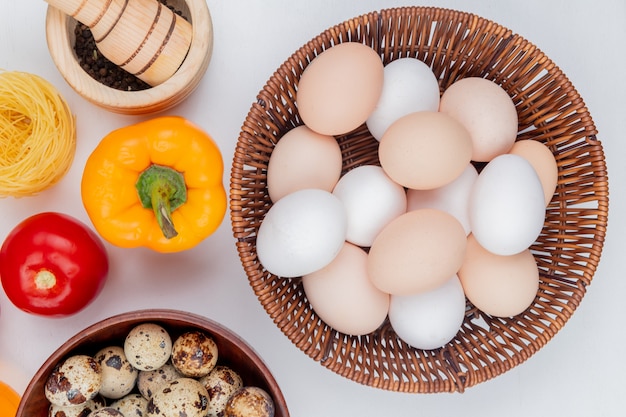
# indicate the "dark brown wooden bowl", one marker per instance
pixel 550 110
pixel 232 351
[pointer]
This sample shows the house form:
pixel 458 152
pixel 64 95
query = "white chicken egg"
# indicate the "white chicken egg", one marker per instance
pixel 301 233
pixel 409 85
pixel 431 319
pixel 507 205
pixel 451 198
pixel 371 199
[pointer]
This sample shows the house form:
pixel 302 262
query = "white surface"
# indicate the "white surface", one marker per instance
pixel 579 373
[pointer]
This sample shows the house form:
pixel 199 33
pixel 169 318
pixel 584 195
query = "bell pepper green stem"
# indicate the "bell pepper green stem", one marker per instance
pixel 163 190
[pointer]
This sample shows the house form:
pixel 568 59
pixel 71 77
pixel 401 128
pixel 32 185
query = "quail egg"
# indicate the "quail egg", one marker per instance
pixel 82 410
pixel 148 346
pixel 118 375
pixel 220 383
pixel 149 381
pixel 106 412
pixel 250 401
pixel 131 405
pixel 74 381
pixel 181 397
pixel 194 354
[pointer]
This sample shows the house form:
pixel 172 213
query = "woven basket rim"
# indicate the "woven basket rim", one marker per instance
pixel 568 251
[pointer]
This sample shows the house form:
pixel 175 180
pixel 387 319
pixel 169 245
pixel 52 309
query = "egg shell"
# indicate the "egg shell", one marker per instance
pixel 74 381
pixel 131 405
pixel 487 112
pixel 118 374
pixel 501 286
pixel 83 410
pixel 371 199
pixel 180 397
pixel 452 198
pixel 425 150
pixel 409 85
pixel 106 412
pixel 148 346
pixel 149 381
pixel 194 354
pixel 506 206
pixel 343 296
pixel 250 401
pixel 220 383
pixel 301 233
pixel 303 159
pixel 339 89
pixel 543 161
pixel 430 319
pixel 417 252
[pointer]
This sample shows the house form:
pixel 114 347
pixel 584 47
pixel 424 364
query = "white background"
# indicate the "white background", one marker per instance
pixel 579 373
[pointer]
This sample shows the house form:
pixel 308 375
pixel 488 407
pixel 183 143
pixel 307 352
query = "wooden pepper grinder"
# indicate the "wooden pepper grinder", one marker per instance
pixel 144 37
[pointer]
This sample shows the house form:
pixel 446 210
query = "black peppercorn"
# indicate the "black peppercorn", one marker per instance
pixel 100 68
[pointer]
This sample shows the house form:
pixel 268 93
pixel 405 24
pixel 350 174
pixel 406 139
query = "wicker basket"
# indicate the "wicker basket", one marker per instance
pixel 455 45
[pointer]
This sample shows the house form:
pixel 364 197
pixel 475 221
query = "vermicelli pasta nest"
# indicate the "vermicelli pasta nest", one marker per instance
pixel 37 134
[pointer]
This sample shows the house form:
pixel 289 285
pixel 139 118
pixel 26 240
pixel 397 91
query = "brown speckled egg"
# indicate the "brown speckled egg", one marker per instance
pixel 220 383
pixel 194 354
pixel 181 397
pixel 82 410
pixel 149 381
pixel 74 381
pixel 250 402
pixel 118 375
pixel 106 412
pixel 148 346
pixel 132 405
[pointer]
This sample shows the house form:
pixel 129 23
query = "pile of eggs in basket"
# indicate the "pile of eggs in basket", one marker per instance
pixel 410 239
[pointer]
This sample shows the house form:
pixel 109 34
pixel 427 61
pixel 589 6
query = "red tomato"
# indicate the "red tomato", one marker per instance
pixel 52 265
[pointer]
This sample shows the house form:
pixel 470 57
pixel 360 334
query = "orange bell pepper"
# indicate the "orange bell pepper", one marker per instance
pixel 157 184
pixel 9 401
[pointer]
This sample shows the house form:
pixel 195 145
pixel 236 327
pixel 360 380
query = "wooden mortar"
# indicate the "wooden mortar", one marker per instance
pixel 144 37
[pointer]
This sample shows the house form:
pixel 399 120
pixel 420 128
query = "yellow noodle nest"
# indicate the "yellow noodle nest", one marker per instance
pixel 37 134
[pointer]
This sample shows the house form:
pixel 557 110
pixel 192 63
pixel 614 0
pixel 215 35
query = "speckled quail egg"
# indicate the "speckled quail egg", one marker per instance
pixel 131 405
pixel 74 381
pixel 250 401
pixel 82 410
pixel 181 397
pixel 118 375
pixel 106 412
pixel 148 346
pixel 220 383
pixel 194 354
pixel 149 381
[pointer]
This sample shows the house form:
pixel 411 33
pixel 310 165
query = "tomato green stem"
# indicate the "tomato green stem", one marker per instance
pixel 163 190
